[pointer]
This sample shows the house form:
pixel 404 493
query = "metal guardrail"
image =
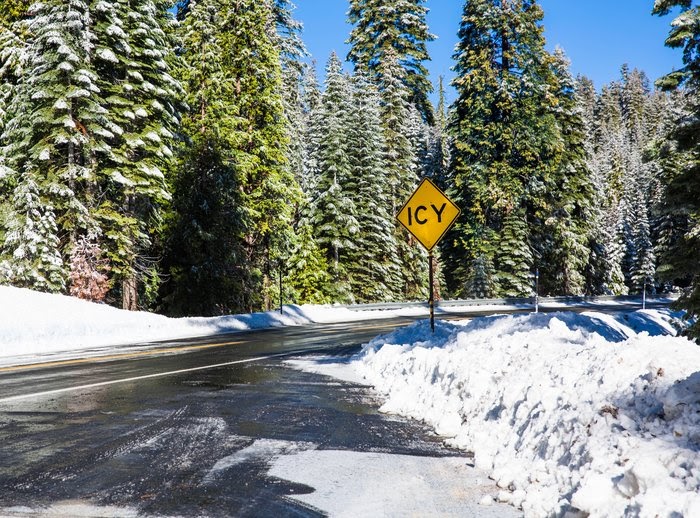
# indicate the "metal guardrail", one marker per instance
pixel 526 301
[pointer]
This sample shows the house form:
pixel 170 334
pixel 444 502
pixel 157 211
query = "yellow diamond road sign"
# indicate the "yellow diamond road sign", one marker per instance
pixel 428 214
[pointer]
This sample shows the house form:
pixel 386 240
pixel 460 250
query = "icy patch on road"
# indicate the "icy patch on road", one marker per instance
pixel 262 450
pixel 70 509
pixel 350 484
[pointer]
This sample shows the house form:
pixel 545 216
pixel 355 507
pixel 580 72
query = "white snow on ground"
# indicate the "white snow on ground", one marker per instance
pixel 351 484
pixel 565 411
pixel 34 323
pixel 71 509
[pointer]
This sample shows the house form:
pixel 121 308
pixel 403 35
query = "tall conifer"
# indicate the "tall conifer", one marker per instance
pixel 333 213
pixel 58 131
pixel 236 161
pixel 683 191
pixel 374 268
pixel 397 27
pixel 506 144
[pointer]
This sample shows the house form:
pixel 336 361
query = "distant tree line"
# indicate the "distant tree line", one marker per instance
pixel 183 157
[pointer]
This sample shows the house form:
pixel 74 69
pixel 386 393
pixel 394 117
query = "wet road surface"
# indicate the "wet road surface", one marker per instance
pixel 190 433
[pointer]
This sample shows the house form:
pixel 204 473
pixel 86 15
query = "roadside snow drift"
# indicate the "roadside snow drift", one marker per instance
pixel 567 412
pixel 33 323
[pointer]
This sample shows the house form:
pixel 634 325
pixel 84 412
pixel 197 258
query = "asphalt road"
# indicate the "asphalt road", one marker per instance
pixel 192 428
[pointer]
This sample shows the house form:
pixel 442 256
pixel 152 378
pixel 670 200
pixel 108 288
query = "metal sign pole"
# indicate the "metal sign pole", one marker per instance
pixel 281 296
pixel 431 297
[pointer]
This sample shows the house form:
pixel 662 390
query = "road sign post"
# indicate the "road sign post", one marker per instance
pixel 431 296
pixel 428 215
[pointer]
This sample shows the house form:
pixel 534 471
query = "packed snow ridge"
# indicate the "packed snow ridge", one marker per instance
pixel 572 414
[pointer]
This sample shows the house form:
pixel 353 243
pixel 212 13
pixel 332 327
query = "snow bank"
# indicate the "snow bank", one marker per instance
pixel 34 323
pixel 566 411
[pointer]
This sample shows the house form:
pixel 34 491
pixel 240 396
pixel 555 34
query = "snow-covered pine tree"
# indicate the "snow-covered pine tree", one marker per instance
pixel 506 140
pixel 133 60
pixel 373 265
pixel 513 258
pixel 401 162
pixel 683 188
pixel 57 134
pixel 629 117
pixel 606 159
pixel 12 53
pixel 437 150
pixel 564 208
pixel 31 256
pixel 597 267
pixel 397 27
pixel 291 49
pixel 668 226
pixel 311 102
pixel 332 211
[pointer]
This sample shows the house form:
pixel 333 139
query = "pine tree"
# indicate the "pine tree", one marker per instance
pixel 236 193
pixel 308 271
pixel 94 77
pixel 507 143
pixel 270 192
pixel 562 240
pixel 205 257
pixel 31 245
pixel 625 165
pixel 333 213
pixel 437 151
pixel 597 271
pixel 373 265
pixel 395 30
pixel 513 258
pixel 399 120
pixel 287 34
pixel 142 98
pixel 12 57
pixel 291 49
pixel 683 188
pixel 311 102
pixel 58 132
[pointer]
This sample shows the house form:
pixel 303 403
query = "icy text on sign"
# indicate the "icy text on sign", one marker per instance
pixel 428 214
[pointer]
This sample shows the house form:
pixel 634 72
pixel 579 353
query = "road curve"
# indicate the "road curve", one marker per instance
pixel 197 427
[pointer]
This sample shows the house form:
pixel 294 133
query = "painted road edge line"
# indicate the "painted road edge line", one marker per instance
pixel 137 378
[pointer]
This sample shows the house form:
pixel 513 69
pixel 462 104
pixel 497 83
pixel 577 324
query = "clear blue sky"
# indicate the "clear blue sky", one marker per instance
pixel 597 35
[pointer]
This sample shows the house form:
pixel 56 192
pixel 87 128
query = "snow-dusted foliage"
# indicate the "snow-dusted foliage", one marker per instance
pixel 624 123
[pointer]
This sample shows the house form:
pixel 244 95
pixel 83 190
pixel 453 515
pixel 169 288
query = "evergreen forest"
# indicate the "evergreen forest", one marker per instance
pixel 184 158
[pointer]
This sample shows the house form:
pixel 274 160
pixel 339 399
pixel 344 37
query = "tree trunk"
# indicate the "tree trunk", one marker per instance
pixel 130 293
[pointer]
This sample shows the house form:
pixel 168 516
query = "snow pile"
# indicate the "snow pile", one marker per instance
pixel 566 411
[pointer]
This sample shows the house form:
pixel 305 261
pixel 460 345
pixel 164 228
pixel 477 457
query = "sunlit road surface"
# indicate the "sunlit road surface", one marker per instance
pixel 220 426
